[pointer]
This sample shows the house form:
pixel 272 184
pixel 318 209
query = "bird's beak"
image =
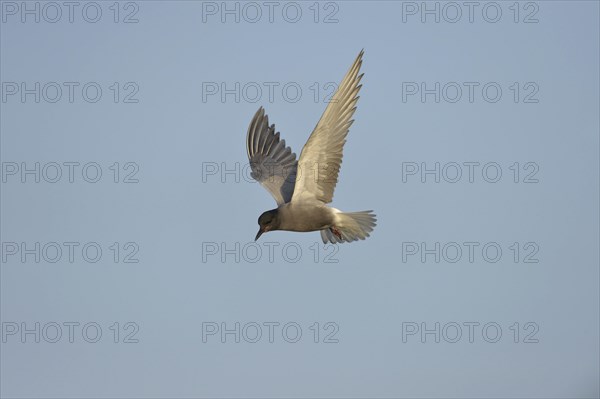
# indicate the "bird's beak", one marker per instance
pixel 260 231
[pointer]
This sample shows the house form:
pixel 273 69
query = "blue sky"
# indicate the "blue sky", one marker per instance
pixel 501 269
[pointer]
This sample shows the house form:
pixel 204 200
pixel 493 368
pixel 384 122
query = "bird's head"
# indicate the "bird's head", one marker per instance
pixel 268 221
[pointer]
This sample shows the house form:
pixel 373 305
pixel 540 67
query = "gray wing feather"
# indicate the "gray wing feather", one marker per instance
pixel 321 157
pixel 273 164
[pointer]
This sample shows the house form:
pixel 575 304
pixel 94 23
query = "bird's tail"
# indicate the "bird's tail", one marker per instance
pixel 349 226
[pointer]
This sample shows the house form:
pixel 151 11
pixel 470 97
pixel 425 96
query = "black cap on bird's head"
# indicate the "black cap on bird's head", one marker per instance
pixel 268 221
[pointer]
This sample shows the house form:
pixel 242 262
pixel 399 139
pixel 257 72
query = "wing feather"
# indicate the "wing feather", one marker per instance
pixel 273 164
pixel 321 157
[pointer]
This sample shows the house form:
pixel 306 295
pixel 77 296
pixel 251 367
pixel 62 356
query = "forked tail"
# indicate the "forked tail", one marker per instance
pixel 349 226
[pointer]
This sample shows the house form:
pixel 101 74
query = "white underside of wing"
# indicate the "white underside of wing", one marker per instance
pixel 321 157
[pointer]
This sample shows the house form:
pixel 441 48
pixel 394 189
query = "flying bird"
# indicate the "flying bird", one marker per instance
pixel 303 187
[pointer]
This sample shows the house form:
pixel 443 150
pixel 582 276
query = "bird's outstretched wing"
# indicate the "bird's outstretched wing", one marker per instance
pixel 321 157
pixel 273 164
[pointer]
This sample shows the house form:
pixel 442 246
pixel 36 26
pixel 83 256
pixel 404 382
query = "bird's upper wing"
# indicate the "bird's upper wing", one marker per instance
pixel 273 164
pixel 321 156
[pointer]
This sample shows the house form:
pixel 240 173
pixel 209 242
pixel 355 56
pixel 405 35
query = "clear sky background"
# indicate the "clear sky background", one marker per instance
pixel 167 127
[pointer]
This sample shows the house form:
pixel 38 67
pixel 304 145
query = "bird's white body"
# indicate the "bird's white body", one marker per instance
pixel 306 216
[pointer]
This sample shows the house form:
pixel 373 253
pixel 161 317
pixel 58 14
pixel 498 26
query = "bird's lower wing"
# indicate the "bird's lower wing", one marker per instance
pixel 321 157
pixel 273 164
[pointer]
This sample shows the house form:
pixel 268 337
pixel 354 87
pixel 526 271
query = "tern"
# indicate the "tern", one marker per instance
pixel 303 187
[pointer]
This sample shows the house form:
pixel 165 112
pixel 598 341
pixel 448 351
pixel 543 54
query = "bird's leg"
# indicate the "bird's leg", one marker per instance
pixel 335 231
